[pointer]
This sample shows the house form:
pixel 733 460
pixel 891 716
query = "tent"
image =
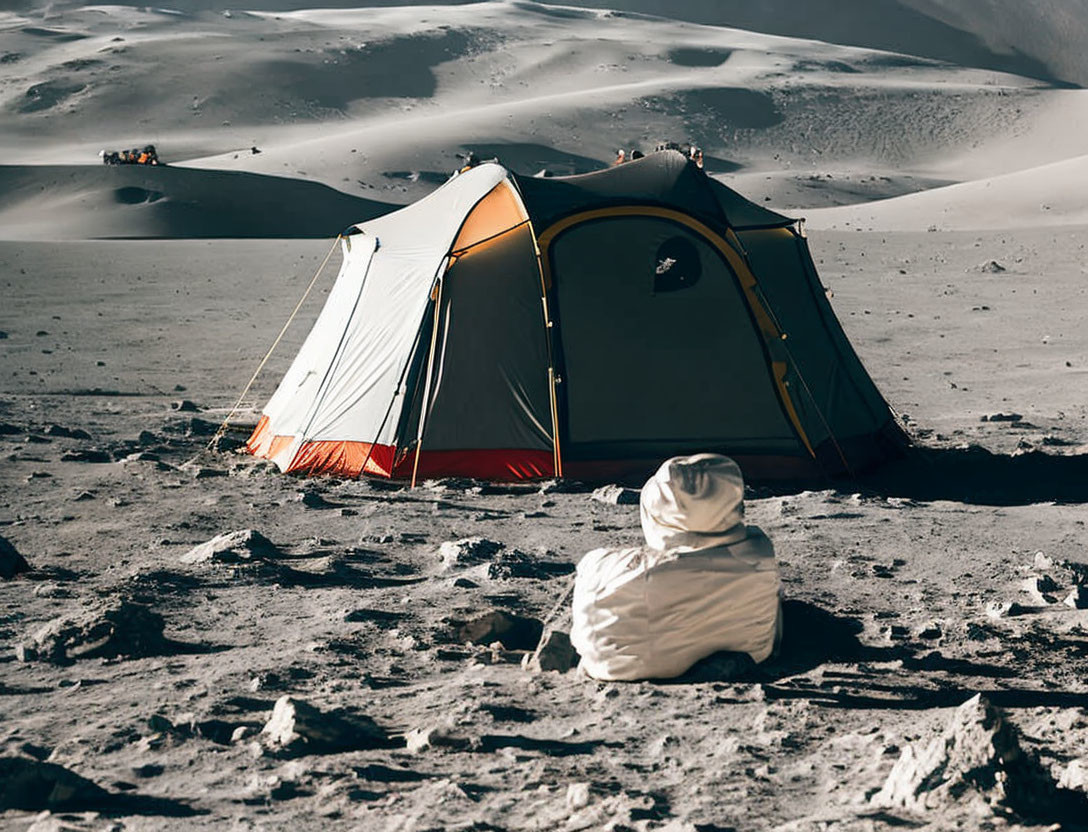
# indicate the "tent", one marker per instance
pixel 509 327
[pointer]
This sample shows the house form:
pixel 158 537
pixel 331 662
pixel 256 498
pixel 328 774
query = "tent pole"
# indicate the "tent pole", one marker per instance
pixel 553 398
pixel 557 460
pixel 427 382
pixel 397 392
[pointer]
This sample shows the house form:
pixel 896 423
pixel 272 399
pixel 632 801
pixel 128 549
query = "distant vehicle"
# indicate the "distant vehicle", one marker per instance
pixel 147 156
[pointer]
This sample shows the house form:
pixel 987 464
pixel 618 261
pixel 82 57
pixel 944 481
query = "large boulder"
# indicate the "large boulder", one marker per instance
pixel 616 495
pixel 977 759
pixel 121 628
pixel 297 727
pixel 243 546
pixel 514 632
pixel 11 562
pixel 555 652
pixel 31 785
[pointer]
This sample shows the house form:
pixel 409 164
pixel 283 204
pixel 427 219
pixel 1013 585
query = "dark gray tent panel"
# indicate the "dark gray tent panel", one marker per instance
pixel 488 389
pixel 843 404
pixel 743 213
pixel 631 384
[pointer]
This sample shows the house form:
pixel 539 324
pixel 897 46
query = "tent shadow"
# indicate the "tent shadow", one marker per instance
pixel 975 475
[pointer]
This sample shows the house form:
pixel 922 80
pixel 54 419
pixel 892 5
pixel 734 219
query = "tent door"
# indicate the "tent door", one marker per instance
pixel 660 350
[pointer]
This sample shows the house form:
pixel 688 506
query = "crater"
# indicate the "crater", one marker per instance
pixel 695 56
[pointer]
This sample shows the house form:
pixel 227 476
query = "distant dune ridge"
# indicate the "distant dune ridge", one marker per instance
pixel 71 201
pixel 806 106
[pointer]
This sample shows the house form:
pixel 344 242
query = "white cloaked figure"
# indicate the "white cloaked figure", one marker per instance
pixel 704 582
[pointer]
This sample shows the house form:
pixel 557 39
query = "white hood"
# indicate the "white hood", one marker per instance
pixel 704 582
pixel 694 502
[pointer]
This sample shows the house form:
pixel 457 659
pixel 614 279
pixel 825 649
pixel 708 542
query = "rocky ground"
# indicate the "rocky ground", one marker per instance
pixel 189 639
pixel 357 660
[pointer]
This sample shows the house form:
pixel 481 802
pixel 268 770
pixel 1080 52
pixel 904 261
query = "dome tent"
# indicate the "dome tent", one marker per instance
pixel 508 327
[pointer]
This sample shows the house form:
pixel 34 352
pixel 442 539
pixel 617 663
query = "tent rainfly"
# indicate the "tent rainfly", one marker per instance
pixel 509 327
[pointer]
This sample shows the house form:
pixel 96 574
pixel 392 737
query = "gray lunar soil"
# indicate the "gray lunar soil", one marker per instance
pixel 191 640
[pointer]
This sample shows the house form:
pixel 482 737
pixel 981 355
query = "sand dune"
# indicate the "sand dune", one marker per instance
pixel 1037 39
pixel 1037 197
pixel 377 101
pixel 1040 39
pixel 51 202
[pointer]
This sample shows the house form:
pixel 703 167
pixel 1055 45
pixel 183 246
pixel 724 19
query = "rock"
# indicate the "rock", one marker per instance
pixel 555 652
pixel 467 551
pixel 421 739
pixel 1040 588
pixel 159 724
pixel 11 562
pixel 184 406
pixel 122 628
pixel 141 456
pixel 296 728
pixel 233 547
pixel 8 429
pixel 1001 417
pixel 146 437
pixel 517 564
pixel 978 756
pixel 1004 609
pixel 895 632
pixel 67 433
pixel 1075 775
pixel 31 785
pixel 240 733
pixel 86 456
pixel 990 267
pixel 1079 571
pixel 311 499
pixel 1077 598
pixel 200 472
pixel 385 619
pixel 514 632
pixel 1041 562
pixel 577 796
pixel 616 495
pixel 196 427
pixel 930 631
pixel 51 589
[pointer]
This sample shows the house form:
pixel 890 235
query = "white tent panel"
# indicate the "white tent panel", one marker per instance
pixel 290 406
pixel 341 387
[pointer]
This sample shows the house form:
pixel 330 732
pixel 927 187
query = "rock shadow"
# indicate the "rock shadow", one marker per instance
pixel 489 743
pixel 148 806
